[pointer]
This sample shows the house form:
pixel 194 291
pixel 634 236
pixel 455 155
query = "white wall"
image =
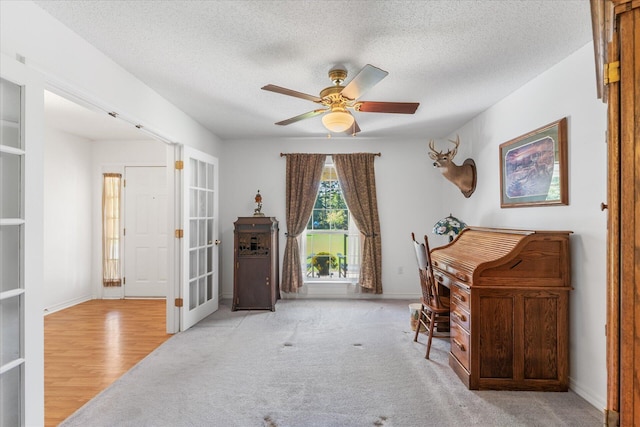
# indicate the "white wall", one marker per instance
pixel 566 90
pixel 67 220
pixel 73 169
pixel 409 193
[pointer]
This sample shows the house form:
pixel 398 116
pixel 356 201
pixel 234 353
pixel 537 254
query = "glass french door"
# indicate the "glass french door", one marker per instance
pixel 12 223
pixel 21 318
pixel 200 240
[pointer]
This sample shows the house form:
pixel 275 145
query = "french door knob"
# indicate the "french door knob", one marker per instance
pixel 218 242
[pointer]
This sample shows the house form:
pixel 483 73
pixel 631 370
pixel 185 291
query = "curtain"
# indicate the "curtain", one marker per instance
pixel 357 178
pixel 304 172
pixel 111 229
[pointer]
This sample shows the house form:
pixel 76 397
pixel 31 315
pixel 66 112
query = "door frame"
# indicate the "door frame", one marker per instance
pixel 609 18
pixel 84 99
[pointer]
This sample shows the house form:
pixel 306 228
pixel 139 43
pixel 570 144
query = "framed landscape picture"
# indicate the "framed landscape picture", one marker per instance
pixel 533 168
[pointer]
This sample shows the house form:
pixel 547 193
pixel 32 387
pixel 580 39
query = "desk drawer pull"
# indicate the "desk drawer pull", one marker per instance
pixel 458 344
pixel 460 317
pixel 439 278
pixel 459 297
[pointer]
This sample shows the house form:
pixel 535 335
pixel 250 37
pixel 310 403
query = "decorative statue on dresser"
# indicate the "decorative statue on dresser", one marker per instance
pixel 463 176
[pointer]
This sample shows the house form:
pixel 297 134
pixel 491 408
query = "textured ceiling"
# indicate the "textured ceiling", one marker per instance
pixel 210 58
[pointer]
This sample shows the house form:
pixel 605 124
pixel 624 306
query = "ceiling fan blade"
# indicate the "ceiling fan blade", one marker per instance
pixel 285 91
pixel 388 107
pixel 306 115
pixel 367 78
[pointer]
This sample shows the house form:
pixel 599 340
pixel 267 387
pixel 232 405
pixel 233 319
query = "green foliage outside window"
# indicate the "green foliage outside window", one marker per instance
pixel 330 210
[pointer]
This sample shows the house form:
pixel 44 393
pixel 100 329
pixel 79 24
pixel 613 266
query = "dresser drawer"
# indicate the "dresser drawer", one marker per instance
pixel 460 297
pixel 460 315
pixel 460 344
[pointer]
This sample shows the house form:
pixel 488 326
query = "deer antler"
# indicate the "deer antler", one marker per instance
pixel 432 147
pixel 453 152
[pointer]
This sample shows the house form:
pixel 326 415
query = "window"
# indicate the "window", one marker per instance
pixel 331 241
pixel 111 275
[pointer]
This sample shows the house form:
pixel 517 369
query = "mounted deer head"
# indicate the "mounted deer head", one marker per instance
pixel 463 176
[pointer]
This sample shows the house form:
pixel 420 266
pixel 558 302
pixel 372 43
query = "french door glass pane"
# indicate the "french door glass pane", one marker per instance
pixel 201 291
pixel 193 203
pixel 202 175
pixel 193 264
pixel 193 235
pixel 11 337
pixel 193 176
pixel 10 183
pixel 10 114
pixel 202 232
pixel 9 257
pixel 10 401
pixel 210 177
pixel 193 294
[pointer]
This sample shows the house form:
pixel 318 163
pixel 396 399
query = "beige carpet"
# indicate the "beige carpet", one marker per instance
pixel 314 363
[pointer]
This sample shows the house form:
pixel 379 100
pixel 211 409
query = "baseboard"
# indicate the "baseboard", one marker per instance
pixel 67 304
pixel 587 395
pixel 333 293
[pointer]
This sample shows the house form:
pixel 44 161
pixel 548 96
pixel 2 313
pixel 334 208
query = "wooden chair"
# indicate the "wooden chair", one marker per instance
pixel 434 310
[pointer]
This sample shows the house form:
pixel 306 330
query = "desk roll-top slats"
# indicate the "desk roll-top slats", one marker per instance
pixel 509 307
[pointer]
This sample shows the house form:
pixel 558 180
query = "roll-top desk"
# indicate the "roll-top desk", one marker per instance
pixel 509 307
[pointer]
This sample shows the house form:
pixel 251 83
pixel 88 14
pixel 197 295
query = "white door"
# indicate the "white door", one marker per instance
pixel 145 232
pixel 200 241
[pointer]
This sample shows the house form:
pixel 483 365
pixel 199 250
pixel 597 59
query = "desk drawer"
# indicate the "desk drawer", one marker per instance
pixel 460 344
pixel 460 315
pixel 460 297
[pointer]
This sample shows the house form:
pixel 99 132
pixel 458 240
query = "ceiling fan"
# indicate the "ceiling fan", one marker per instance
pixel 337 100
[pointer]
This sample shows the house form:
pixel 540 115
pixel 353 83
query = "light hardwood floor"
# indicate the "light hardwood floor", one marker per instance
pixel 90 345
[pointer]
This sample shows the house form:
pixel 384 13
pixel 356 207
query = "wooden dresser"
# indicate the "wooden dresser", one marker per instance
pixel 509 307
pixel 256 278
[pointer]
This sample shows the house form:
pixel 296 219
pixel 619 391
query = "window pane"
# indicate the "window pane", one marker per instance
pixel 327 253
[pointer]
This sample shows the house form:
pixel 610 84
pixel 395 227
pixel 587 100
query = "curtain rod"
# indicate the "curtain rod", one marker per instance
pixel 328 154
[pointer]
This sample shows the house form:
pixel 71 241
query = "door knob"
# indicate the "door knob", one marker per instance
pixel 603 206
pixel 217 242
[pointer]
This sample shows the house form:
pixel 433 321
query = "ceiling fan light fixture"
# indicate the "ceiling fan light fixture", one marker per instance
pixel 337 121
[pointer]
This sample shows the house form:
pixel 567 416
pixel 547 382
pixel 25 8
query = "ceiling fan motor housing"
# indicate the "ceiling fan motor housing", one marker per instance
pixel 337 75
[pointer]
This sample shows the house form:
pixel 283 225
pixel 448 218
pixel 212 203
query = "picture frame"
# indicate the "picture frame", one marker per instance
pixel 533 168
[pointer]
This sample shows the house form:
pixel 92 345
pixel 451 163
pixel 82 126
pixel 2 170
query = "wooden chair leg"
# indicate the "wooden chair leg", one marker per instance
pixel 432 320
pixel 415 337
